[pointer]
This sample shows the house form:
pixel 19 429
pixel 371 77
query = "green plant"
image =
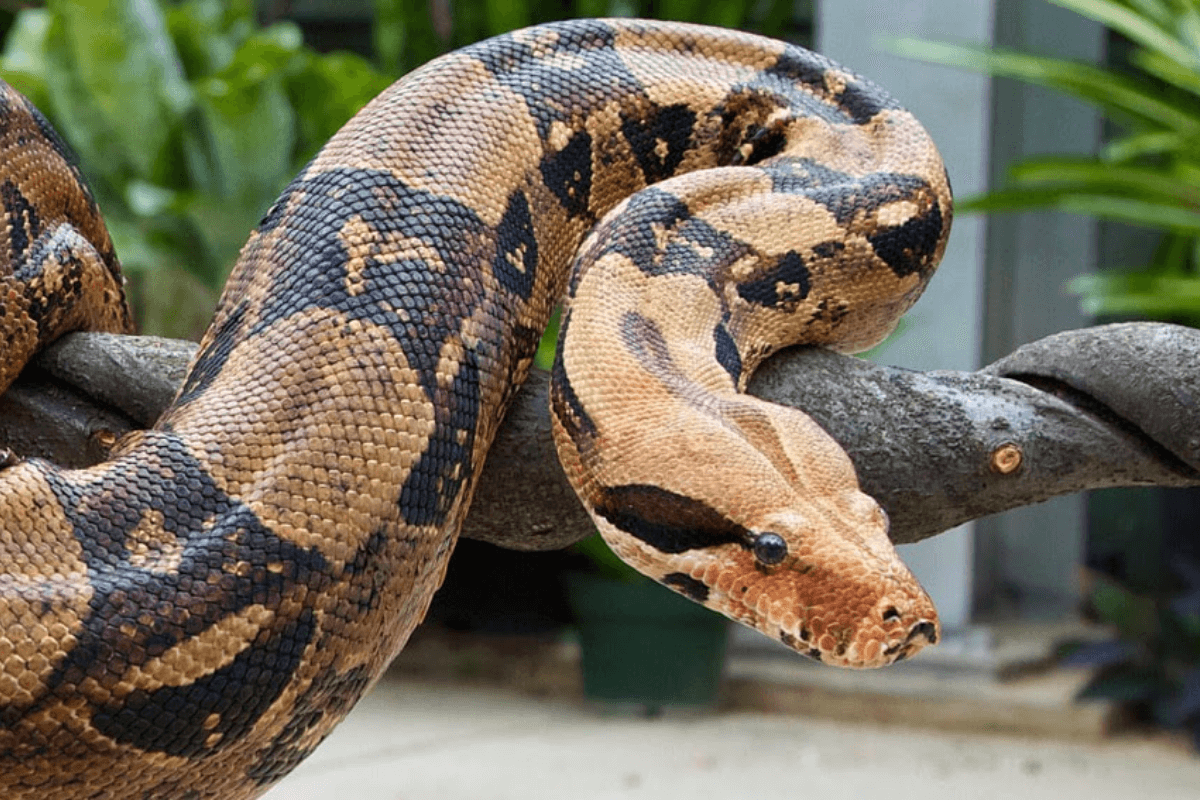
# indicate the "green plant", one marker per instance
pixel 408 33
pixel 1153 663
pixel 188 119
pixel 1148 174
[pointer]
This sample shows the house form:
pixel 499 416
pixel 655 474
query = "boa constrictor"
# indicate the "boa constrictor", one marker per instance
pixel 190 618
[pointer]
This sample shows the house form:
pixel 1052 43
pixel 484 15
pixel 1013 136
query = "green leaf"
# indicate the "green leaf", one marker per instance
pixel 470 22
pixel 729 14
pixel 1132 615
pixel 1188 24
pixel 24 62
pixel 220 228
pixel 1147 143
pixel 404 35
pixel 1138 293
pixel 1107 89
pixel 139 253
pixel 325 91
pixel 1076 200
pixel 1135 26
pixel 148 200
pixel 183 169
pixel 388 34
pixel 1082 175
pixel 680 9
pixel 1144 213
pixel 544 358
pixel 207 33
pixel 78 117
pixel 1174 254
pixel 123 58
pixel 1172 72
pixel 170 299
pixel 776 17
pixel 508 16
pixel 593 8
pixel 1154 10
pixel 248 128
pixel 1188 172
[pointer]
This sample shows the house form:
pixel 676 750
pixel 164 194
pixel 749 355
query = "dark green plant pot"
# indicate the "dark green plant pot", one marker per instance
pixel 644 644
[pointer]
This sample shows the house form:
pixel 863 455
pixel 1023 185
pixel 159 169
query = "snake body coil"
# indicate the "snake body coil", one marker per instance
pixel 191 618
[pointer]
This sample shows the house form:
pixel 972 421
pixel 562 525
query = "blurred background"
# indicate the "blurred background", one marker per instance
pixel 1071 132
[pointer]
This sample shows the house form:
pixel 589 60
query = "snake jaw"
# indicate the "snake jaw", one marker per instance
pixel 839 634
pixel 851 623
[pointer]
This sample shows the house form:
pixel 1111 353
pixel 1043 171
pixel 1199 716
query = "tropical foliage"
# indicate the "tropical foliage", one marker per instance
pixel 410 32
pixel 188 119
pixel 1148 174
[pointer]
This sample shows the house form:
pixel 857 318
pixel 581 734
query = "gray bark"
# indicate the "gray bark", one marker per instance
pixel 1115 405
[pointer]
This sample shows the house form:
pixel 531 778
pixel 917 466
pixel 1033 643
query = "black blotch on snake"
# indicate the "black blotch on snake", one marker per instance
pixel 668 522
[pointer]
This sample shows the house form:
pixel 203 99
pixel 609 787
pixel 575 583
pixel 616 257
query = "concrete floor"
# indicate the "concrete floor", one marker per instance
pixel 411 741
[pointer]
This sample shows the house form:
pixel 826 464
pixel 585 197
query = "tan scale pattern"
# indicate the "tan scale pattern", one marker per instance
pixel 51 220
pixel 192 617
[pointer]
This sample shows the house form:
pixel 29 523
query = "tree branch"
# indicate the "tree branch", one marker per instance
pixel 1116 405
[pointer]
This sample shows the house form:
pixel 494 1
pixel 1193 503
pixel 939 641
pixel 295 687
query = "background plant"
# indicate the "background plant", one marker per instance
pixel 188 119
pixel 1147 174
pixel 408 33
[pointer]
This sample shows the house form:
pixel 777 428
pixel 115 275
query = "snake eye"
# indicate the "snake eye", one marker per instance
pixel 770 549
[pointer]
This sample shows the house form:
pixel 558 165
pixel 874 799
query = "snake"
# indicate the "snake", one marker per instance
pixel 191 617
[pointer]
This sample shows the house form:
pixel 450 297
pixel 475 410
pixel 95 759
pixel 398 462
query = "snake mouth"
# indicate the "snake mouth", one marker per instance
pixel 926 630
pixel 861 656
pixel 919 635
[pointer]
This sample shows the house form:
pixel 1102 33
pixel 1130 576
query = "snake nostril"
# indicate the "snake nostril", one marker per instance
pixel 926 629
pixel 891 614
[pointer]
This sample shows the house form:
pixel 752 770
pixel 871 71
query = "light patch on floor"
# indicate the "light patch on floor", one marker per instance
pixel 408 741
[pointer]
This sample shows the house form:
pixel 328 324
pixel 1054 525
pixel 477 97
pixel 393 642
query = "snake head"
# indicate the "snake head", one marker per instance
pixel 788 545
pixel 839 596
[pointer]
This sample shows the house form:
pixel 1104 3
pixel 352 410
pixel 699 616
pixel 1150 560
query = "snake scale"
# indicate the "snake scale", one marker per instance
pixel 190 618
